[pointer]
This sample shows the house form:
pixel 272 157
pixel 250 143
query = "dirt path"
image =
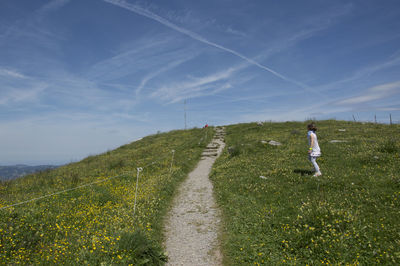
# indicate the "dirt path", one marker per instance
pixel 192 226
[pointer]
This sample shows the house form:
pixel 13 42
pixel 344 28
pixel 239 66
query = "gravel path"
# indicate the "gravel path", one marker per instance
pixel 192 226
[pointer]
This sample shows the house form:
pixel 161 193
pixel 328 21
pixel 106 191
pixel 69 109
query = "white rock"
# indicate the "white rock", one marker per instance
pixel 263 177
pixel 337 141
pixel 342 130
pixel 275 143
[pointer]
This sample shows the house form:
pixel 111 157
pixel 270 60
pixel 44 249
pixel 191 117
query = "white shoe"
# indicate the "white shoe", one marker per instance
pixel 317 174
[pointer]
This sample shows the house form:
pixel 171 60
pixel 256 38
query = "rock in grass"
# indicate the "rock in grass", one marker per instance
pixel 274 143
pixel 342 130
pixel 263 177
pixel 337 141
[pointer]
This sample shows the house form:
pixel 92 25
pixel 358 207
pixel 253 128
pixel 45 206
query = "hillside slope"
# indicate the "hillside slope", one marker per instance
pixel 276 212
pixel 95 224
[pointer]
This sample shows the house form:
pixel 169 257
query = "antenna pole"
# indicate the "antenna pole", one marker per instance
pixel 185 112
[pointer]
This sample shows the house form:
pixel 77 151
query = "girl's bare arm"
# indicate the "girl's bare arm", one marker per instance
pixel 311 144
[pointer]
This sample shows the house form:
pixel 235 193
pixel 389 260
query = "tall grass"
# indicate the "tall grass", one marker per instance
pixel 349 215
pixel 95 225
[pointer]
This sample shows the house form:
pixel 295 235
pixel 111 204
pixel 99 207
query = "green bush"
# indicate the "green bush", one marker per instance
pixel 233 151
pixel 389 146
pixel 143 251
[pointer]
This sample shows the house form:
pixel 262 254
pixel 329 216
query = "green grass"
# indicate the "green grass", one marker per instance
pixel 349 215
pixel 95 225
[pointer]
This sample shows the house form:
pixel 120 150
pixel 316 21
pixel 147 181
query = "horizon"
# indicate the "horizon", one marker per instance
pixel 79 78
pixel 44 163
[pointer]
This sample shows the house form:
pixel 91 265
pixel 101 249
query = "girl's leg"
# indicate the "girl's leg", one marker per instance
pixel 313 160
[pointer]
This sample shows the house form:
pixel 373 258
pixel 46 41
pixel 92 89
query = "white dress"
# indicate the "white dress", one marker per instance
pixel 316 151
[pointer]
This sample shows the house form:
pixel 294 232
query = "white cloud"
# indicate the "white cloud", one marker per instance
pixel 146 13
pixel 389 109
pixel 142 60
pixel 25 93
pixel 30 31
pixel 319 22
pixel 374 93
pixel 392 61
pixel 236 32
pixel 195 87
pixel 154 74
pixel 52 5
pixel 11 73
pixel 295 113
pixel 28 95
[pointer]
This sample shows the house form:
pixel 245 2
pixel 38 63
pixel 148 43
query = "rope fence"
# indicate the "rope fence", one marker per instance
pixel 60 192
pixel 138 171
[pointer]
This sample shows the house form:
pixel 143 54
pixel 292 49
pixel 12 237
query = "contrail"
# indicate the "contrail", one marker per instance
pixel 146 13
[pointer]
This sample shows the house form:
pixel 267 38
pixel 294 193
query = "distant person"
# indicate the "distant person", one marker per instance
pixel 314 151
pixel 206 126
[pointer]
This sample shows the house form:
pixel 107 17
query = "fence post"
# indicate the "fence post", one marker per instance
pixel 390 119
pixel 172 160
pixel 139 169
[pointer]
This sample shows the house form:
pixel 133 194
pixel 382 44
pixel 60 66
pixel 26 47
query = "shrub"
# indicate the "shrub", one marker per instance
pixel 389 146
pixel 233 151
pixel 144 251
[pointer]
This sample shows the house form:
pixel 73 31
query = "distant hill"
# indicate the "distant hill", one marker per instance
pixel 15 171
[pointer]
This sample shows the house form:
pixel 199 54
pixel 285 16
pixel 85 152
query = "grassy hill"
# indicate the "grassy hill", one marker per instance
pixel 94 224
pixel 276 212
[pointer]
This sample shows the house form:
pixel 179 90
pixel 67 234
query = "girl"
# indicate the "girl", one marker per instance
pixel 314 151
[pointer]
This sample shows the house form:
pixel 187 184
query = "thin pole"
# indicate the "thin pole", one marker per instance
pixel 184 103
pixel 137 181
pixel 390 119
pixel 375 118
pixel 172 160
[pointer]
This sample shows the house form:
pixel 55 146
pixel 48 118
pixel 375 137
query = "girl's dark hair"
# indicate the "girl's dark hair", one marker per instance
pixel 312 127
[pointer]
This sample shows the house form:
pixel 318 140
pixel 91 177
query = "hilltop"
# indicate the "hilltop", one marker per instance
pixel 273 210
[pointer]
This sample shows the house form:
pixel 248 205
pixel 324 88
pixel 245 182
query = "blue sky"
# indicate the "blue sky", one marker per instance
pixel 81 77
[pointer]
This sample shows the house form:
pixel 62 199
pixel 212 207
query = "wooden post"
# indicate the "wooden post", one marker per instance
pixel 390 115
